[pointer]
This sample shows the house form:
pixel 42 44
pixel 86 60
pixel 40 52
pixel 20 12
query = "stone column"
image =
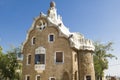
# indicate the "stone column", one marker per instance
pixel 85 65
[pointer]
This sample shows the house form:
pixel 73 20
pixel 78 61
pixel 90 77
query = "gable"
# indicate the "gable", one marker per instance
pixel 53 20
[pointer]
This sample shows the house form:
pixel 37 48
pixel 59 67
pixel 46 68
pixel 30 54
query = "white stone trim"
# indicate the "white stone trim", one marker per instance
pixel 26 76
pixel 55 58
pixel 40 67
pixel 49 37
pixel 40 50
pixel 36 77
pixel 52 77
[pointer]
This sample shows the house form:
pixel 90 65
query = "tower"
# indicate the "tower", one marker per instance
pixel 85 60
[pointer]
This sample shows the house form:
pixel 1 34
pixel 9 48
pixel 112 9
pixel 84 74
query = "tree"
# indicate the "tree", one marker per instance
pixel 101 56
pixel 8 65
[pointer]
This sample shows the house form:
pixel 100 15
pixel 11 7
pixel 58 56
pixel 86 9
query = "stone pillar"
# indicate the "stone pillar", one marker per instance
pixel 85 65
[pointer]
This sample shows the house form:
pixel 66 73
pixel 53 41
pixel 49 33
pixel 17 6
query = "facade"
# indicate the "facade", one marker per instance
pixel 52 52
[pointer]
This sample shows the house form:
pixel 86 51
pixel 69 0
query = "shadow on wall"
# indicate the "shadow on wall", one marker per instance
pixel 65 76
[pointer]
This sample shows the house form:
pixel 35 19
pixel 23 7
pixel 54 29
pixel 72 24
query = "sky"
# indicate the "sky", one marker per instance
pixel 98 20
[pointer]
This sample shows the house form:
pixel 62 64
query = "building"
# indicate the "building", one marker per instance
pixel 112 78
pixel 52 52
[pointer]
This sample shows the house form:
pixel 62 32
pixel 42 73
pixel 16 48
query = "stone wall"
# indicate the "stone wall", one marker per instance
pixel 51 68
pixel 86 66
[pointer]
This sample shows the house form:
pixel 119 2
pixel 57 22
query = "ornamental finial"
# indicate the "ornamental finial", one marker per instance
pixel 52 4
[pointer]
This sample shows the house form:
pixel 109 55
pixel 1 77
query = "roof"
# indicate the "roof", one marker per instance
pixel 76 39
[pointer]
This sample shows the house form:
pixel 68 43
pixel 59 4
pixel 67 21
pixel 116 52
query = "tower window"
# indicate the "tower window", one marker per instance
pixel 29 59
pixel 51 38
pixel 88 77
pixel 59 57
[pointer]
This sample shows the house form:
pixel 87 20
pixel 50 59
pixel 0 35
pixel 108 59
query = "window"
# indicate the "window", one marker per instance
pixel 88 77
pixel 27 77
pixel 40 55
pixel 38 77
pixel 52 78
pixel 33 40
pixel 75 75
pixel 51 38
pixel 39 58
pixel 59 57
pixel 29 59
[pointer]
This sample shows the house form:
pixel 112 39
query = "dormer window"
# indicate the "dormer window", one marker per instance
pixel 33 40
pixel 51 38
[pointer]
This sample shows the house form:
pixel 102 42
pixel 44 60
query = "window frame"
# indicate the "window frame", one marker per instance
pixel 28 59
pixel 40 62
pixel 26 76
pixel 62 58
pixel 52 77
pixel 49 38
pixel 85 78
pixel 32 41
pixel 36 77
pixel 38 52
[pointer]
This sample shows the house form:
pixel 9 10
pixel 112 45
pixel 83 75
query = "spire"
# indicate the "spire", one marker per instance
pixel 52 13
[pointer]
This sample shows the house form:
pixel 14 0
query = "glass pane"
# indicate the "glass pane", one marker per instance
pixel 59 57
pixel 52 78
pixel 40 59
pixel 34 39
pixel 88 77
pixel 28 77
pixel 37 59
pixel 38 77
pixel 51 37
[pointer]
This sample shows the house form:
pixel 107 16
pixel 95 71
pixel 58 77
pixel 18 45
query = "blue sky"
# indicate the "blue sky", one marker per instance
pixel 96 19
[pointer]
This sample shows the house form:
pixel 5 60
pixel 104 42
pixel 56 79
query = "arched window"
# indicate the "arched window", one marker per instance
pixel 28 59
pixel 33 40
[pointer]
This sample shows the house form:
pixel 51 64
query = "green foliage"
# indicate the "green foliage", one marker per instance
pixel 8 65
pixel 101 55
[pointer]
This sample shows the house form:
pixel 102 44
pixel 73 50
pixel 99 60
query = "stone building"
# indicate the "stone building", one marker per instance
pixel 52 52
